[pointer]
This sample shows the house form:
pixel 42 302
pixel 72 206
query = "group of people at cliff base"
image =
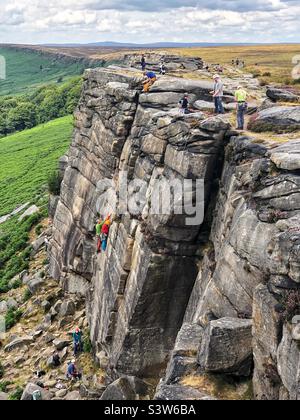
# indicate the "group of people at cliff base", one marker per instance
pixel 102 233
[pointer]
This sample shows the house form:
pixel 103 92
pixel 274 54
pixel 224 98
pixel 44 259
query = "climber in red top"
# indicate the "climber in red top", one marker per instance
pixel 105 233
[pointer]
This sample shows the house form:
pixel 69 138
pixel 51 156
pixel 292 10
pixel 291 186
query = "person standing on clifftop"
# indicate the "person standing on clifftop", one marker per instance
pixel 143 62
pixel 241 105
pixel 218 94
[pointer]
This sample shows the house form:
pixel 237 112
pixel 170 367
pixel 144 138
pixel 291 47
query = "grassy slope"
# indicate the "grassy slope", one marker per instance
pixel 276 59
pixel 23 73
pixel 27 158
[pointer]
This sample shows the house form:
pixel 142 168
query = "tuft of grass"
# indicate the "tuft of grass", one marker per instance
pixel 17 394
pixel 4 386
pixel 12 317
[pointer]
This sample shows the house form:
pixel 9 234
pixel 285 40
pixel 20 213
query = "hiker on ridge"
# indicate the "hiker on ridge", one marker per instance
pixel 143 62
pixel 218 93
pixel 241 106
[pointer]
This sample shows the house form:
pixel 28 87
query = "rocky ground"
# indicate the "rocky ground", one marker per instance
pixel 223 292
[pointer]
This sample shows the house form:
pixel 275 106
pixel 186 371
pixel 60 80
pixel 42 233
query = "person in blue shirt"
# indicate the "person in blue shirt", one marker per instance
pixel 72 372
pixel 150 80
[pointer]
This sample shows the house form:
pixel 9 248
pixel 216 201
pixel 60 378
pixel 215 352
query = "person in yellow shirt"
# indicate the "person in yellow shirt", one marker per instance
pixel 241 97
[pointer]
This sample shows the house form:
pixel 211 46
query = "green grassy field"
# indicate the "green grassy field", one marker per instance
pixel 26 71
pixel 27 158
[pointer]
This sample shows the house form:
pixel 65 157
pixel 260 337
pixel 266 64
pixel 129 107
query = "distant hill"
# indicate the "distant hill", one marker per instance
pixel 111 44
pixel 29 69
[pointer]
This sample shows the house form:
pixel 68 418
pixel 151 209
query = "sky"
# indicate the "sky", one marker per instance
pixel 84 21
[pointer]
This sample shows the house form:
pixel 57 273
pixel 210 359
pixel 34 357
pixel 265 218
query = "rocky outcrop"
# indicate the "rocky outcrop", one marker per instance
pixel 227 347
pixel 200 297
pixel 149 256
pixel 282 95
pixel 277 119
pixel 171 61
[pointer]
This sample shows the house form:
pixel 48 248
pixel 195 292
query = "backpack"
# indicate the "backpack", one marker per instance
pixel 37 396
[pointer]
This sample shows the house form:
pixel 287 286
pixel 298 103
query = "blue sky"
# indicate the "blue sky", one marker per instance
pixel 44 21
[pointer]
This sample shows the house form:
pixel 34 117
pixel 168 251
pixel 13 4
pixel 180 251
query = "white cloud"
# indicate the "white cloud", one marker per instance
pixel 35 21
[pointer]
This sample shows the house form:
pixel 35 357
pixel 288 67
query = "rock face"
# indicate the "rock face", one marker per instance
pixel 205 294
pixel 283 95
pixel 126 388
pixel 138 289
pixel 227 347
pixel 29 391
pixel 278 119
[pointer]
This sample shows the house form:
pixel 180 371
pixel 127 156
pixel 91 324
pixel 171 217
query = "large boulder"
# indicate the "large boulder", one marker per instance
pixel 287 156
pixel 3 396
pixel 227 347
pixel 29 212
pixel 35 284
pixel 73 396
pixel 288 357
pixel 184 356
pixel 126 388
pixel 3 307
pixel 283 95
pixel 180 393
pixel 277 119
pixel 60 344
pixel 31 388
pixel 67 308
pixel 18 343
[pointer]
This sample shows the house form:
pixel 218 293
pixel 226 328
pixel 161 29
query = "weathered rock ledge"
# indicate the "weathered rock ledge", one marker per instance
pixel 240 264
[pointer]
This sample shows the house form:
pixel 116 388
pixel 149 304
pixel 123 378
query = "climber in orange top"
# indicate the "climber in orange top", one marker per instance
pixel 105 232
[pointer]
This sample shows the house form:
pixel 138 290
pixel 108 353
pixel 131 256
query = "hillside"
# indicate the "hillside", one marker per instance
pixel 27 158
pixel 27 70
pixel 271 63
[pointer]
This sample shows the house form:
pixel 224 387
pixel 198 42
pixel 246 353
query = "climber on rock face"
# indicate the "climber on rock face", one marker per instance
pixel 77 340
pixel 105 233
pixel 149 81
pixel 241 100
pixel 218 94
pixel 99 226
